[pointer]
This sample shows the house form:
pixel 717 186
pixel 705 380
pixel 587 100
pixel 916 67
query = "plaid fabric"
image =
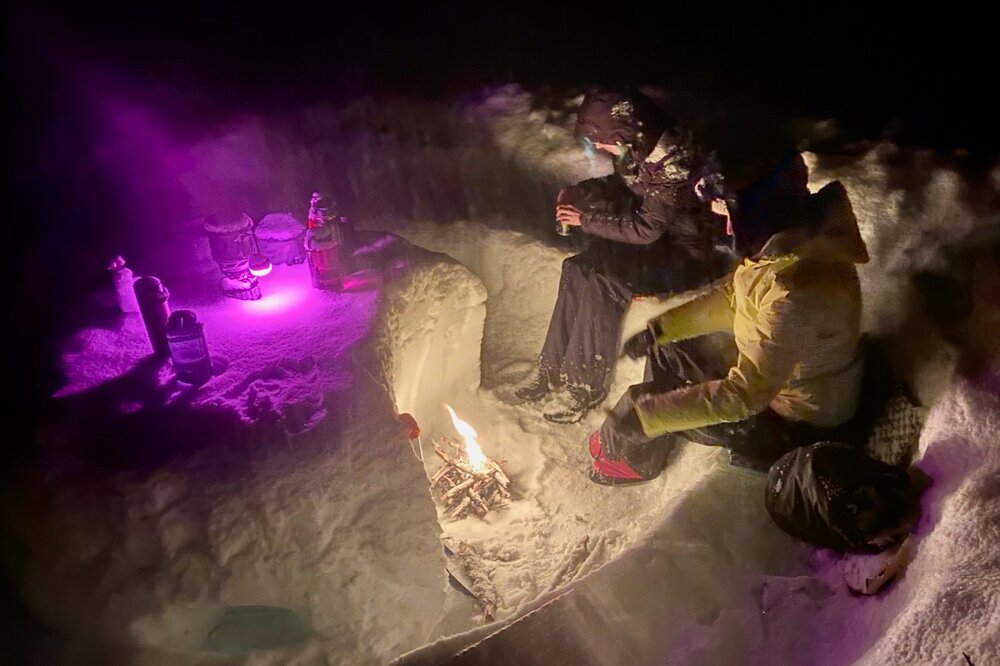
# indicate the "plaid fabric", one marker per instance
pixel 897 429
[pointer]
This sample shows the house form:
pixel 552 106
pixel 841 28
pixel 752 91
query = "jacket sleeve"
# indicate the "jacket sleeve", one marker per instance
pixel 603 195
pixel 711 310
pixel 645 221
pixel 762 368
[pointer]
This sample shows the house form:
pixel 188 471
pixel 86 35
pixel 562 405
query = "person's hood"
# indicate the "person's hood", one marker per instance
pixel 765 202
pixel 827 231
pixel 618 117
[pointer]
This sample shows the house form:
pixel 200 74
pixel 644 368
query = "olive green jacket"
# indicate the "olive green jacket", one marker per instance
pixel 794 310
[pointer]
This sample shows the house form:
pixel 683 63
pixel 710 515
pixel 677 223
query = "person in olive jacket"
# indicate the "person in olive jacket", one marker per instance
pixel 649 234
pixel 791 311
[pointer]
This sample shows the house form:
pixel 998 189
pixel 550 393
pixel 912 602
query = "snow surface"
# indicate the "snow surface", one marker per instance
pixel 715 582
pixel 308 497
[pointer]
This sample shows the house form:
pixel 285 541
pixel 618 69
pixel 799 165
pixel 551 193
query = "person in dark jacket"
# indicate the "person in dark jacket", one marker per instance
pixel 650 234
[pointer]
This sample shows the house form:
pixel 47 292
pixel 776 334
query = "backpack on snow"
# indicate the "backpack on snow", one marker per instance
pixel 834 495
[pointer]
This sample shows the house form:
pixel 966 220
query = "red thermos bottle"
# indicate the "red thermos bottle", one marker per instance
pixel 324 259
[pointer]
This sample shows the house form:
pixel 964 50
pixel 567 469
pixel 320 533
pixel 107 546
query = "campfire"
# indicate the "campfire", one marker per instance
pixel 468 481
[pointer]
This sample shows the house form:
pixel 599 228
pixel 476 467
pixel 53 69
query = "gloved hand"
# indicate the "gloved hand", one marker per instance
pixel 616 429
pixel 639 345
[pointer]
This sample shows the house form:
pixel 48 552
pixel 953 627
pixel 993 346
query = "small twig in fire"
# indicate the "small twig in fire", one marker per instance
pixel 463 489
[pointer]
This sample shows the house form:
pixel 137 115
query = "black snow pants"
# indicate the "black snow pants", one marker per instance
pixel 755 442
pixel 595 288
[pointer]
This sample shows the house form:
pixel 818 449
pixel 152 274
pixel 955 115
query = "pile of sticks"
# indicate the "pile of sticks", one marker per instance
pixel 463 489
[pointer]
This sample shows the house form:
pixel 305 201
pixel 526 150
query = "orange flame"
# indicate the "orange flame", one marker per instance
pixel 477 461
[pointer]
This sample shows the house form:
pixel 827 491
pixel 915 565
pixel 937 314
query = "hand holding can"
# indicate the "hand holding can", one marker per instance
pixel 567 215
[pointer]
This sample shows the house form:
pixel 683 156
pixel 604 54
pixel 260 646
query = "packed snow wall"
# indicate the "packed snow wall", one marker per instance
pixel 433 329
pixel 521 276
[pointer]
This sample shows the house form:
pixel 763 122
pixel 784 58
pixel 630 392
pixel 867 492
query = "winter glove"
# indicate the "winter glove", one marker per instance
pixel 626 428
pixel 639 345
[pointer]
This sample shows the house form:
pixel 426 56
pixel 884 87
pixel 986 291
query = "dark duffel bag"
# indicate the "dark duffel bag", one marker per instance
pixel 834 495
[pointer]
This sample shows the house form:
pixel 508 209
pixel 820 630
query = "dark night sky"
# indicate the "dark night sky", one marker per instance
pixel 869 66
pixel 927 75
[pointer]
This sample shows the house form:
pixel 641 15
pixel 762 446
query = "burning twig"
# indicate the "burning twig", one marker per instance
pixel 462 488
pixel 459 488
pixel 463 506
pixel 438 476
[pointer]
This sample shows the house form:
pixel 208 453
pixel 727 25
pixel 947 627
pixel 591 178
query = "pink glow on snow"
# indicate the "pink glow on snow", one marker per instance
pixel 361 281
pixel 281 301
pixel 287 288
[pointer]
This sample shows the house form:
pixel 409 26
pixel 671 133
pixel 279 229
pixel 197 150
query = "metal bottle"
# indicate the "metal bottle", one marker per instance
pixel 124 281
pixel 154 307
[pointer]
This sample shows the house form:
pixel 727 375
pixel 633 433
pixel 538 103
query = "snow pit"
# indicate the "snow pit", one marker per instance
pixel 710 580
pixel 303 496
pixel 306 499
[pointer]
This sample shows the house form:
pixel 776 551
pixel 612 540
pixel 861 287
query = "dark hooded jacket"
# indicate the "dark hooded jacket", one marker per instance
pixel 658 169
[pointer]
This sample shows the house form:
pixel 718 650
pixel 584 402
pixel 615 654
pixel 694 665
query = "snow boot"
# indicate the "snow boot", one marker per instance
pixel 535 387
pixel 242 287
pixel 571 404
pixel 607 472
